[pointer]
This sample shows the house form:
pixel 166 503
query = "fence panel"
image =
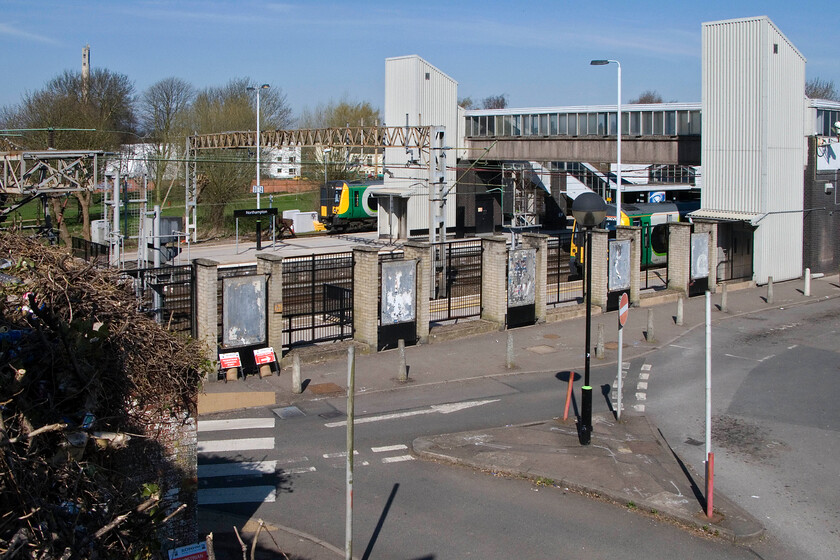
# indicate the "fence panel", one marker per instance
pixel 459 296
pixel 317 298
pixel 560 288
pixel 165 294
pixel 90 251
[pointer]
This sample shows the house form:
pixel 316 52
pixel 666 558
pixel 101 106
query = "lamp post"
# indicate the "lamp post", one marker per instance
pixel 589 210
pixel 617 139
pixel 258 188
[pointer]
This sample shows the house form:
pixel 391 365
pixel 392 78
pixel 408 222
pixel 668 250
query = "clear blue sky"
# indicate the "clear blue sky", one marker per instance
pixel 535 52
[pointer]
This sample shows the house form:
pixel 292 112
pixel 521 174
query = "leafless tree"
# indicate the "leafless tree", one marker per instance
pixel 817 88
pixel 648 96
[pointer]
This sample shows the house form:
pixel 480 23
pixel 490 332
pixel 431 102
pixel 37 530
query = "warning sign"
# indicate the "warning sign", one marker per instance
pixel 623 309
pixel 196 551
pixel 230 360
pixel 264 356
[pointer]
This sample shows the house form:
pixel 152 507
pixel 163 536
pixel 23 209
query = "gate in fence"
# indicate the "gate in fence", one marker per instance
pixel 317 298
pixel 654 257
pixel 561 288
pixel 460 293
pixel 165 294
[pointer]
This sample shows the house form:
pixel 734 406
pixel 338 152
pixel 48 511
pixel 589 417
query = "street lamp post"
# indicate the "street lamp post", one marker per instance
pixel 264 86
pixel 617 139
pixel 589 210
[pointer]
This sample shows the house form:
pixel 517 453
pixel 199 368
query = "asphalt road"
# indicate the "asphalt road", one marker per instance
pixel 406 508
pixel 775 420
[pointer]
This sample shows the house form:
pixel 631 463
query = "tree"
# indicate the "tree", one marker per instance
pixel 467 103
pixel 817 88
pixel 647 96
pixel 164 109
pixel 343 163
pixel 495 102
pixel 225 174
pixel 68 114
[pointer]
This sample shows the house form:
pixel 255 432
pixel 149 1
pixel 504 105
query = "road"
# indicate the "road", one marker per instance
pixel 406 508
pixel 775 419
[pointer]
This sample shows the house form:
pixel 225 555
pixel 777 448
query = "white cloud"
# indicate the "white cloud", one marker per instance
pixel 8 30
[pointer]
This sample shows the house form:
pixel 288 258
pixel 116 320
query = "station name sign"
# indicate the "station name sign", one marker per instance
pixel 255 212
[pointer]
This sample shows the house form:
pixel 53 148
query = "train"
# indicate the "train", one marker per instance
pixel 348 206
pixel 653 219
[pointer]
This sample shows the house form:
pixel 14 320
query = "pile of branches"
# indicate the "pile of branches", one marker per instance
pixel 84 383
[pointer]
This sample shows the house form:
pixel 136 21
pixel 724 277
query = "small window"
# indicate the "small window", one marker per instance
pixel 291 159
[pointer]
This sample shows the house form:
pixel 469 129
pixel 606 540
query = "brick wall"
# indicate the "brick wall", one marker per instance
pixel 679 256
pixel 366 295
pixel 206 308
pixel 494 279
pixel 272 267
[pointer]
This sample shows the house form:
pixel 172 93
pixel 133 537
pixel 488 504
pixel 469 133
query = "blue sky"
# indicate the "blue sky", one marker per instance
pixel 535 52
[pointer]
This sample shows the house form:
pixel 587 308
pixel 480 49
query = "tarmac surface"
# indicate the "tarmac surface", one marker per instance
pixel 628 461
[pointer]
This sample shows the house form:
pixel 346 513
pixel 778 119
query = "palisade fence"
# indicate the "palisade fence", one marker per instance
pixel 457 294
pixel 317 298
pixel 165 294
pixel 90 251
pixel 562 288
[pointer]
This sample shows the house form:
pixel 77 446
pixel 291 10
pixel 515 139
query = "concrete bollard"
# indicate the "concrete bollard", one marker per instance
pixel 296 387
pixel 680 311
pixel 807 291
pixel 599 345
pixel 509 352
pixel 649 334
pixel 724 303
pixel 770 290
pixel 403 373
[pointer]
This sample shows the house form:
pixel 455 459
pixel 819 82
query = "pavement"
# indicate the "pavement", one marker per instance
pixel 628 462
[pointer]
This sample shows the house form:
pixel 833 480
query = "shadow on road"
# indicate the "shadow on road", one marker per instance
pixel 381 522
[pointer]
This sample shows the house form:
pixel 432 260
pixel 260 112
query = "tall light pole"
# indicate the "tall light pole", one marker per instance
pixel 617 139
pixel 326 157
pixel 258 186
pixel 589 210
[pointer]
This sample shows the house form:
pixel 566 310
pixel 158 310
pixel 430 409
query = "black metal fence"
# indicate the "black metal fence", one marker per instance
pixel 165 294
pixel 317 298
pixel 90 251
pixel 458 277
pixel 562 286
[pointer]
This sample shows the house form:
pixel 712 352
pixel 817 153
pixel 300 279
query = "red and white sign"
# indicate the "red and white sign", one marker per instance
pixel 623 309
pixel 196 551
pixel 264 356
pixel 230 360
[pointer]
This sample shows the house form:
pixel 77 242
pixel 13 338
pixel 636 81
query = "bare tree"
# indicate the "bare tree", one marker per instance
pixel 495 102
pixel 647 96
pixel 59 116
pixel 225 174
pixel 164 110
pixel 817 88
pixel 467 103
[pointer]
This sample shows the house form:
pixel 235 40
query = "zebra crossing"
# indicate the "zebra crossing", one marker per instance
pixel 639 396
pixel 230 472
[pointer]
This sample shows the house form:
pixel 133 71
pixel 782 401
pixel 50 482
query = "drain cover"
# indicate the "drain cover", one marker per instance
pixel 288 412
pixel 324 388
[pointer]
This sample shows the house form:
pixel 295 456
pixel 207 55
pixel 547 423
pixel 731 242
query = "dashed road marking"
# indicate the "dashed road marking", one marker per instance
pixel 641 386
pixel 243 468
pixel 646 367
pixel 338 455
pixel 398 459
pixel 235 424
pixel 242 444
pixel 386 448
pixel 644 376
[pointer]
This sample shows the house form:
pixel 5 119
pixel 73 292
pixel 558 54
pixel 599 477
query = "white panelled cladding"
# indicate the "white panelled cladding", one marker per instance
pixel 418 94
pixel 753 142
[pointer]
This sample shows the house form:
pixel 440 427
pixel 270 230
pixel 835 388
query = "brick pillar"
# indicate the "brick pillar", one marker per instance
pixel 272 266
pixel 600 264
pixel 540 243
pixel 422 306
pixel 366 295
pixel 711 228
pixel 205 328
pixel 679 256
pixel 494 279
pixel 634 234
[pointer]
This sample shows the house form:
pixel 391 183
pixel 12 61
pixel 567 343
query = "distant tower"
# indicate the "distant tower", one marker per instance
pixel 85 72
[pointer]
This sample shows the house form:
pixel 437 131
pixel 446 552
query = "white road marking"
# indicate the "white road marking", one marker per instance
pixel 742 358
pixel 646 367
pixel 441 408
pixel 641 386
pixel 235 424
pixel 385 448
pixel 680 347
pixel 644 376
pixel 339 454
pixel 299 470
pixel 639 407
pixel 243 444
pixel 625 365
pixel 398 459
pixel 291 460
pixel 237 495
pixel 243 468
pixel 641 397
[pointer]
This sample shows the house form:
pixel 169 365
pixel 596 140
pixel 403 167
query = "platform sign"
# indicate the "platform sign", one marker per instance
pixel 623 310
pixel 230 360
pixel 257 189
pixel 197 551
pixel 264 356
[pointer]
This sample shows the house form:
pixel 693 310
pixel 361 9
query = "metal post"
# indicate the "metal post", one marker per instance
pixel 258 158
pixel 157 303
pixel 115 234
pixel 351 388
pixel 708 373
pixel 620 387
pixel 259 234
pixel 586 390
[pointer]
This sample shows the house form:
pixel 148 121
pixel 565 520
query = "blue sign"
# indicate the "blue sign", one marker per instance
pixel 655 197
